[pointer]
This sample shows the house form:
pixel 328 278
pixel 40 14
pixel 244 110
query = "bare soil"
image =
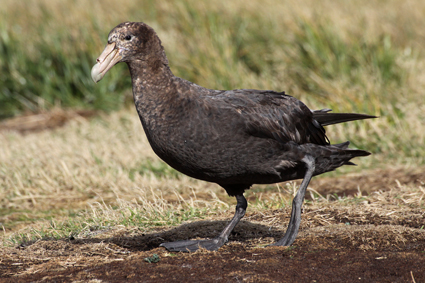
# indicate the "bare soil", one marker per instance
pixel 361 242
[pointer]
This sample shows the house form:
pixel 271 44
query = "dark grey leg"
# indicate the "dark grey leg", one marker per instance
pixel 213 244
pixel 294 223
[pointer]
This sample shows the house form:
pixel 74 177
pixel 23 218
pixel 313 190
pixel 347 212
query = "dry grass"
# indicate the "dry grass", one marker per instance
pixel 108 156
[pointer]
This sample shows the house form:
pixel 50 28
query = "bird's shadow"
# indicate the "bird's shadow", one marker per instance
pixel 243 232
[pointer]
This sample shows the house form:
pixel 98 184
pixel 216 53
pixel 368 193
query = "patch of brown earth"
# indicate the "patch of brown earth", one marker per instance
pixel 51 119
pixel 368 181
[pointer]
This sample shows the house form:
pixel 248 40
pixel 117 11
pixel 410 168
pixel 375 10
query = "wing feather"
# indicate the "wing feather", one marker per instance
pixel 275 115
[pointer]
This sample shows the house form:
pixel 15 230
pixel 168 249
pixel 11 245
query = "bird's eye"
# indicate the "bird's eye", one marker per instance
pixel 128 37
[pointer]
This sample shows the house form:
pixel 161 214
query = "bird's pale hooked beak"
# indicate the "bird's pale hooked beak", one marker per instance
pixel 109 57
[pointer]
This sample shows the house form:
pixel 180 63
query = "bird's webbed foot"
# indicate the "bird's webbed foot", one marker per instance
pixel 211 244
pixel 193 245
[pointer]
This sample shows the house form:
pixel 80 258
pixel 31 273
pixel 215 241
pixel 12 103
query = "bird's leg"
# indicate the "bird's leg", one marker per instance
pixel 294 222
pixel 212 244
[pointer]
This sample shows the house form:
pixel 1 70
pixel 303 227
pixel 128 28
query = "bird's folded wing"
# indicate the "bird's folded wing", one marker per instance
pixel 269 114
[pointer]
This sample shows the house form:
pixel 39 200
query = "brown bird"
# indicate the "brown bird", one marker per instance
pixel 235 138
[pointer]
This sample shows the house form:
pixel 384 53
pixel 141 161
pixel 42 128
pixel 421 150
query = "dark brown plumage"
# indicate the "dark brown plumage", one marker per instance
pixel 233 138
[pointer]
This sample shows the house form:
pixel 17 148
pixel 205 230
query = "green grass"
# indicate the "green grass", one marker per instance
pixel 53 76
pixel 157 168
pixel 102 217
pixel 322 52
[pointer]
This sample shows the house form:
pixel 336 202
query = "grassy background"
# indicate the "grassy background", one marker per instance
pixel 361 56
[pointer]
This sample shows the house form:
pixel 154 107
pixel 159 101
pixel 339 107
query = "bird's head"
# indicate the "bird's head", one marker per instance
pixel 127 42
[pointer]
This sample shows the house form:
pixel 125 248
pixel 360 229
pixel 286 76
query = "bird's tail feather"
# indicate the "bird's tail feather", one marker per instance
pixel 351 152
pixel 325 118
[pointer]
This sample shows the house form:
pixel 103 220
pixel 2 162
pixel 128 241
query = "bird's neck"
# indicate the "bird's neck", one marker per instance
pixel 150 79
pixel 159 97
